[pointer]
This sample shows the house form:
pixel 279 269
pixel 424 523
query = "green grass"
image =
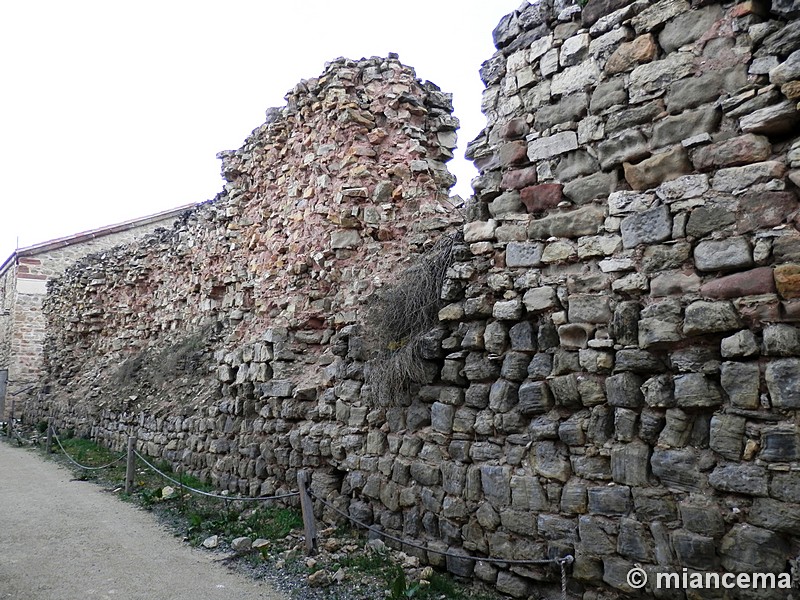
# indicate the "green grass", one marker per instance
pixel 194 516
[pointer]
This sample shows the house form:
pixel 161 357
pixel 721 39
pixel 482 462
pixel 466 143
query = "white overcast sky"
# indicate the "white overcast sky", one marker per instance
pixel 111 110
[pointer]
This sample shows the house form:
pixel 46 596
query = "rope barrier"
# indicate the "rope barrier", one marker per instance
pixel 79 465
pixel 562 561
pixel 210 494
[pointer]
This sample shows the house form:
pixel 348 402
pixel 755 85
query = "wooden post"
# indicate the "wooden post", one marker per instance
pixel 11 419
pixel 131 467
pixel 49 446
pixel 309 525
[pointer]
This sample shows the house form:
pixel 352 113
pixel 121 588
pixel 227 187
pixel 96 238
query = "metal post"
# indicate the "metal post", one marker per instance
pixel 309 525
pixel 49 445
pixel 131 467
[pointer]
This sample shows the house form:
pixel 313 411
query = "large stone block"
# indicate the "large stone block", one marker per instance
pixel 624 390
pixel 551 460
pixel 652 79
pixel 646 227
pixel 694 551
pixel 628 146
pixel 694 390
pixel 690 123
pixel 751 549
pixel 706 87
pixel 740 150
pixel 679 469
pixel 575 79
pixel 776 516
pixel 506 203
pixel 710 317
pixel 610 501
pixel 702 515
pixel 542 197
pixel 733 179
pixel 575 164
pixel 780 444
pixel 608 94
pixel 741 383
pixel 688 27
pixel 594 537
pixel 788 70
pixel 787 280
pixel 586 189
pixel 771 120
pixel 653 171
pixel 496 484
pixel 748 283
pixel 534 398
pixel 781 339
pixel 547 147
pixel 586 220
pixel 745 479
pixel 727 436
pixel 630 463
pixel 570 108
pixel 723 255
pixel 589 308
pixel 783 382
pixel 641 50
pixel 524 254
pixel 658 13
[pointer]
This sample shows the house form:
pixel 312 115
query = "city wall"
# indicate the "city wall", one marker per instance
pixel 614 371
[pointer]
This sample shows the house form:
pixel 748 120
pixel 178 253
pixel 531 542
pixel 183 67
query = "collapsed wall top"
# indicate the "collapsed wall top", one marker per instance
pixel 322 200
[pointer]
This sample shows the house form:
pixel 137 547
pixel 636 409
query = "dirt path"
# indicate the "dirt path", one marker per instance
pixel 62 539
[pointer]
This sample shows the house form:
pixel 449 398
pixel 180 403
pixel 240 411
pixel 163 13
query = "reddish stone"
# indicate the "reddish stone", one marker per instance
pixel 519 178
pixel 513 153
pixel 642 49
pixel 740 150
pixel 750 7
pixel 515 129
pixel 765 210
pixel 757 310
pixel 791 311
pixel 787 280
pixel 29 261
pixel 748 283
pixel 539 198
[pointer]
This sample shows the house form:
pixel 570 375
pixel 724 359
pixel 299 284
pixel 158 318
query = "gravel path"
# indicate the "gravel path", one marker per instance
pixel 68 540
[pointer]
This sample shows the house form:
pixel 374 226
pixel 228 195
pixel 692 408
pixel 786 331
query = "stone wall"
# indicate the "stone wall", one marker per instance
pixel 615 370
pixel 23 284
pixel 626 335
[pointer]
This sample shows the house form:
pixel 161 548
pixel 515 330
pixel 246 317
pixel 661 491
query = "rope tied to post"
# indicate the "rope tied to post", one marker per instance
pixel 79 465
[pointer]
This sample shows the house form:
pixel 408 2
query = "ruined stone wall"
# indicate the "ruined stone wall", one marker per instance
pixel 615 372
pixel 216 341
pixel 23 284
